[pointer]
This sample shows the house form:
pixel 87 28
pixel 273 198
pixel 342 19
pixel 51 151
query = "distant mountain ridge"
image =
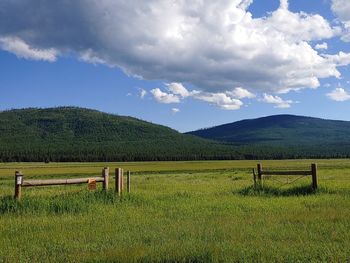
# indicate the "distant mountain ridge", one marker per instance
pixel 78 134
pixel 280 130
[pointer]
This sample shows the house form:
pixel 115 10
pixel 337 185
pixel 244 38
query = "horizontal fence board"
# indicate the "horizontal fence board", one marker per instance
pixel 28 183
pixel 286 173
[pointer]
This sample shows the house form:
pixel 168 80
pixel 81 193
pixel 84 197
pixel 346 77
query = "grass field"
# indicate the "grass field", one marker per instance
pixel 177 212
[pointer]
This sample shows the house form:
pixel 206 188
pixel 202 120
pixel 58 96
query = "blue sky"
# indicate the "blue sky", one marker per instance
pixel 187 66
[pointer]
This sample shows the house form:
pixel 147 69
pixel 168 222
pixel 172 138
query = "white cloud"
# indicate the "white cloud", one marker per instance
pixel 178 92
pixel 341 58
pixel 284 23
pixel 341 8
pixel 323 45
pixel 163 97
pixel 230 100
pixel 175 110
pixel 278 101
pixel 212 45
pixel 178 89
pixel 339 94
pixel 284 4
pixel 90 57
pixel 220 99
pixel 143 93
pixel 240 93
pixel 22 50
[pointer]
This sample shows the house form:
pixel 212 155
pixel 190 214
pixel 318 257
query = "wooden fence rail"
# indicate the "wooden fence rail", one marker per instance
pixel 262 173
pixel 20 182
pixel 61 181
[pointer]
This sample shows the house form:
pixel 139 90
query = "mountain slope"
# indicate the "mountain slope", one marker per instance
pixel 76 134
pixel 281 130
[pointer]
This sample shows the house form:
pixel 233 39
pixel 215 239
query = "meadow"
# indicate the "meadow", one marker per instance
pixel 177 212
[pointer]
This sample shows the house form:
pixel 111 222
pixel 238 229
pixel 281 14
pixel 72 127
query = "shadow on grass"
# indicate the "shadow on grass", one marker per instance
pixel 70 203
pixel 270 191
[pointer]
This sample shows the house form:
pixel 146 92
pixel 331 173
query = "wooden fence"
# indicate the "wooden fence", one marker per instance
pixel 20 182
pixel 258 179
pixel 119 181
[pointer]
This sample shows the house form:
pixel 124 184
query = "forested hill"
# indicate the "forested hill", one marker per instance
pixel 282 130
pixel 77 134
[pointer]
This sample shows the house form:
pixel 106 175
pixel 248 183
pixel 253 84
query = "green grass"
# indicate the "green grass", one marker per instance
pixel 177 212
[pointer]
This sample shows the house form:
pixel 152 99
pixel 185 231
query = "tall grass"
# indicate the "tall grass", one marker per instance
pixel 61 204
pixel 206 215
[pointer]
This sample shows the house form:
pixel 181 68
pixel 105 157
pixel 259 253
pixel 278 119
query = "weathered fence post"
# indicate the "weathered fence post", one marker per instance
pixel 314 176
pixel 128 182
pixel 260 174
pixel 122 181
pixel 105 175
pixel 18 184
pixel 118 180
pixel 254 178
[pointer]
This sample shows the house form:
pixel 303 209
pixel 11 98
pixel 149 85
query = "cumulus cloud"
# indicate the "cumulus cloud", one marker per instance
pixel 21 49
pixel 339 94
pixel 220 99
pixel 90 57
pixel 178 89
pixel 175 110
pixel 323 45
pixel 277 101
pixel 212 45
pixel 340 59
pixel 341 8
pixel 240 93
pixel 177 92
pixel 163 97
pixel 142 93
pixel 284 4
pixel 229 100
